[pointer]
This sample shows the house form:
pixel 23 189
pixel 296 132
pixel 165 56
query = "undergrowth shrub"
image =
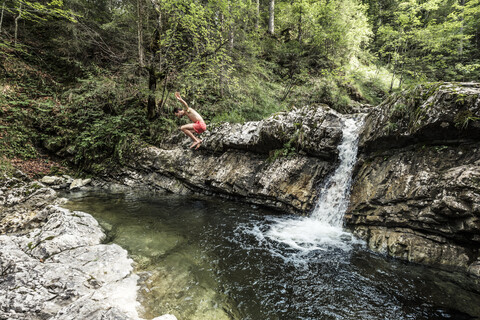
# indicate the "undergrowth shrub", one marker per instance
pixel 6 168
pixel 17 137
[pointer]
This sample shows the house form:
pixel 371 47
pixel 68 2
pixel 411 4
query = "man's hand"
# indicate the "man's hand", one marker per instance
pixel 177 95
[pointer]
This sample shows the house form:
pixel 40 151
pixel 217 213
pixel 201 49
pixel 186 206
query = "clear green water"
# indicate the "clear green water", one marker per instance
pixel 204 258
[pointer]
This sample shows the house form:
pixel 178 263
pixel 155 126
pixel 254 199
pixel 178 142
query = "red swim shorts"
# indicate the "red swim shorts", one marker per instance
pixel 199 126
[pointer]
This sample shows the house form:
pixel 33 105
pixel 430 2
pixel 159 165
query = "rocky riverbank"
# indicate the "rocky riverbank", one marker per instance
pixel 416 194
pixel 53 264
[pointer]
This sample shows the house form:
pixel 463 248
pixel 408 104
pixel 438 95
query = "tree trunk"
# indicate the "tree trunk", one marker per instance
pixel 257 16
pixel 154 49
pixel 152 76
pixel 152 87
pixel 271 18
pixel 230 32
pixel 221 78
pixel 141 55
pixel 75 36
pixel 300 26
pixel 460 48
pixel 394 71
pixel 16 23
pixel 393 79
pixel 1 17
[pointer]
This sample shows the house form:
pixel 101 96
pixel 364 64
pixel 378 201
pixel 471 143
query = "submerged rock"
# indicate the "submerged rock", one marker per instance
pixel 416 194
pixel 278 162
pixel 78 183
pixel 53 264
pixel 59 182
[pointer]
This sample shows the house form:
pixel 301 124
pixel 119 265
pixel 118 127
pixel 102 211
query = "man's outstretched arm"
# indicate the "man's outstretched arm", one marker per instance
pixel 177 95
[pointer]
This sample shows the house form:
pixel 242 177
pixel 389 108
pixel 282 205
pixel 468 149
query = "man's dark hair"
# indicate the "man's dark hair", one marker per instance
pixel 175 110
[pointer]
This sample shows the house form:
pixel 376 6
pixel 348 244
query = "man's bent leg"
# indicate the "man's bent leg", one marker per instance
pixel 196 142
pixel 188 130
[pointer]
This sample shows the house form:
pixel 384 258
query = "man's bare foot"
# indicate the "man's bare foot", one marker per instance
pixel 196 143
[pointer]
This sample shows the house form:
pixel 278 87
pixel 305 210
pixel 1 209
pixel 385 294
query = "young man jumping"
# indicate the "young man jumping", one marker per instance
pixel 197 126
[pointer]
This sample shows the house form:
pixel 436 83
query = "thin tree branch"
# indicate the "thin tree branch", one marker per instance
pixel 1 17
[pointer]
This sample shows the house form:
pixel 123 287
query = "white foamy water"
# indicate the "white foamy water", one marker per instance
pixel 323 229
pixel 308 234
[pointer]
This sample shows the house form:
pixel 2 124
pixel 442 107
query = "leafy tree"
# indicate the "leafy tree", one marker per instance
pixel 36 11
pixel 430 39
pixel 189 41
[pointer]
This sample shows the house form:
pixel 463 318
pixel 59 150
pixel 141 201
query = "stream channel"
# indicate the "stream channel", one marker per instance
pixel 205 258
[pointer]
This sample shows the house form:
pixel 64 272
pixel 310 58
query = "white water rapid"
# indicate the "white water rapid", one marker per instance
pixel 323 229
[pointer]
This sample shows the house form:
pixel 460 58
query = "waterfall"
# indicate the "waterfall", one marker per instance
pixel 323 229
pixel 333 200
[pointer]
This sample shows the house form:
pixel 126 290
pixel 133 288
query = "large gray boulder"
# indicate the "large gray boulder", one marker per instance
pixel 416 192
pixel 53 264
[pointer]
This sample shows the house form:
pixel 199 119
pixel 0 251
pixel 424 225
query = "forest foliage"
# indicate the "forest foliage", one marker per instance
pixel 83 79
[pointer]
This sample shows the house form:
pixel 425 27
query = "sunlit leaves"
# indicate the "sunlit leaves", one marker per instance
pixel 337 29
pixel 38 11
pixel 429 37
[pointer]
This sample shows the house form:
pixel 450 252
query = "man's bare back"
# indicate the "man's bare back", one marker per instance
pixel 197 126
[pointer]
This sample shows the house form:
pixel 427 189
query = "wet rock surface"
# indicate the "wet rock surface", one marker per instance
pixel 278 162
pixel 53 264
pixel 416 191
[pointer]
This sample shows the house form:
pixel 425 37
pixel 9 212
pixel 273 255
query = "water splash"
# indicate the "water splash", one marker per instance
pixel 323 229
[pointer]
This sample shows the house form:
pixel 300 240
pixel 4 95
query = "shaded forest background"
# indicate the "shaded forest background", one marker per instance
pixel 86 80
